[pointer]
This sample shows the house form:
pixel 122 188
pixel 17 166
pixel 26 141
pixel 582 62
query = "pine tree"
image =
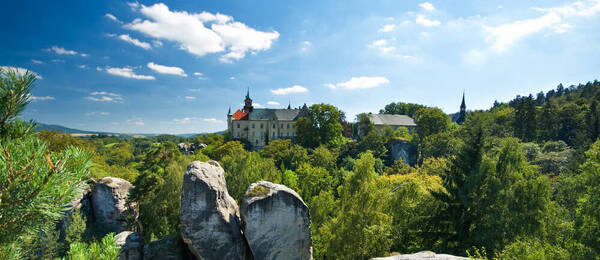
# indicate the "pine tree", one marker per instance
pixel 36 185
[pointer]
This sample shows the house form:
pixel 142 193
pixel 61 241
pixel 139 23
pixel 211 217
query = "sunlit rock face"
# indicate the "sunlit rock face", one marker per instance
pixel 276 222
pixel 424 255
pixel 209 216
pixel 110 208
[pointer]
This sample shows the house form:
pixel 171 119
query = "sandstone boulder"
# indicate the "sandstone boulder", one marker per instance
pixel 109 204
pixel 167 248
pixel 276 222
pixel 209 217
pixel 131 245
pixel 421 255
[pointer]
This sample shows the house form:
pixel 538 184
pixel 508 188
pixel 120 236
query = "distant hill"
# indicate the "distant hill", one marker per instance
pixel 67 130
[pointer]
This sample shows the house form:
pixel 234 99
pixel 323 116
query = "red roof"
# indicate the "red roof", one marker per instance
pixel 238 115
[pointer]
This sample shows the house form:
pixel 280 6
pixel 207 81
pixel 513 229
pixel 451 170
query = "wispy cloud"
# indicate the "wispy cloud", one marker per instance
pixel 292 89
pixel 359 83
pixel 188 120
pixel 136 42
pixel 103 96
pixel 387 28
pixel 190 98
pixel 504 36
pixel 37 61
pixel 97 113
pixel 190 32
pixel 200 75
pixel 422 20
pixel 112 17
pixel 61 50
pixel 273 103
pixel 127 72
pixel 162 69
pixel 135 121
pixel 427 6
pixel 33 98
pixel 305 45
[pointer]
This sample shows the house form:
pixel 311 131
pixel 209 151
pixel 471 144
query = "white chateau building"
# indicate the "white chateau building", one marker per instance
pixel 261 125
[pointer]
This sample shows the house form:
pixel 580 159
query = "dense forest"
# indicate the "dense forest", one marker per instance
pixel 519 180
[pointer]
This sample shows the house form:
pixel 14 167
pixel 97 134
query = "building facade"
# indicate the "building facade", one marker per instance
pixel 393 121
pixel 261 125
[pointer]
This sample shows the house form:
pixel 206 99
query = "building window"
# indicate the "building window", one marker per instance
pixel 281 126
pixel 273 134
pixel 252 134
pixel 287 134
pixel 261 125
pixel 288 126
pixel 262 135
pixel 252 125
pixel 238 125
pixel 273 125
pixel 238 134
pixel 256 141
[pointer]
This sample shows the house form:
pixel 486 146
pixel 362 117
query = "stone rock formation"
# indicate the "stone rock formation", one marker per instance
pixel 209 217
pixel 401 149
pixel 421 255
pixel 131 245
pixel 167 248
pixel 276 222
pixel 109 204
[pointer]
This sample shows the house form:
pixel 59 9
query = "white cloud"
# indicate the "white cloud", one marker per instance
pixel 84 55
pixel 257 105
pixel 157 43
pixel 426 22
pixel 273 103
pixel 427 6
pixel 190 98
pixel 212 120
pixel 359 83
pixel 33 98
pixel 387 49
pixel 378 43
pixel 387 28
pixel 20 71
pixel 166 69
pixel 37 61
pixel 505 35
pixel 200 75
pixel 185 120
pixel 292 89
pixel 232 78
pixel 57 60
pixel 98 69
pixel 201 33
pixel 127 72
pixel 112 17
pixel 97 113
pixel 83 66
pixel 562 28
pixel 61 50
pixel 103 96
pixel 305 45
pixel 135 121
pixel 136 42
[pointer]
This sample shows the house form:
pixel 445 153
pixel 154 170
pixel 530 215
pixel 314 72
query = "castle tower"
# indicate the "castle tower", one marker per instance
pixel 463 111
pixel 248 103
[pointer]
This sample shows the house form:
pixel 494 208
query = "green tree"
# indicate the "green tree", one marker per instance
pixel 431 121
pixel 321 126
pixel 284 153
pixel 36 185
pixel 361 229
pixel 588 210
pixel 244 168
pixel 400 108
pixel 105 249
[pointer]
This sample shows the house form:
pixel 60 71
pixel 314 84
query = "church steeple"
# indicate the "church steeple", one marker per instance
pixel 229 111
pixel 248 103
pixel 463 111
pixel 289 105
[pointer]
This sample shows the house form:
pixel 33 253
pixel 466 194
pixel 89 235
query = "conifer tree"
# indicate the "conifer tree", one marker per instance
pixel 36 185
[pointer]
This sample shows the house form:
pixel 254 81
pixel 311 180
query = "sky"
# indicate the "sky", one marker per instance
pixel 177 66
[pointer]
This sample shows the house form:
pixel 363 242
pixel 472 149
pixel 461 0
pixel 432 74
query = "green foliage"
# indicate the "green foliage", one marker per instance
pixel 400 108
pixel 588 210
pixel 106 249
pixel 361 229
pixel 259 191
pixel 36 184
pixel 160 180
pixel 284 153
pixel 321 126
pixel 244 168
pixel 229 148
pixel 431 121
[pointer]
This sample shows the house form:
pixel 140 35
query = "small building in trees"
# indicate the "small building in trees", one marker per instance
pixel 393 121
pixel 260 125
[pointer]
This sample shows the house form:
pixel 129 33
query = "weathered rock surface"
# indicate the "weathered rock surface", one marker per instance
pixel 209 217
pixel 276 222
pixel 111 212
pixel 421 255
pixel 404 150
pixel 168 248
pixel 131 245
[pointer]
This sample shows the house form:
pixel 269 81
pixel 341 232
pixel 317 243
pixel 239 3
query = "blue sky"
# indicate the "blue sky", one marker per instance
pixel 176 67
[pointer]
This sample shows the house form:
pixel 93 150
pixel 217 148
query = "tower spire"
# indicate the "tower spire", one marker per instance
pixel 462 115
pixel 248 93
pixel 229 111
